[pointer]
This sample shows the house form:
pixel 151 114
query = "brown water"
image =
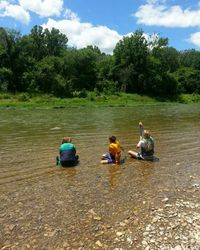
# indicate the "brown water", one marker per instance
pixel 87 207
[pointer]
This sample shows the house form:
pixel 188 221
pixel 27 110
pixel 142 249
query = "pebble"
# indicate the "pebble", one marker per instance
pixel 98 243
pixel 165 200
pixel 177 248
pixel 119 234
pixel 176 222
pixel 97 218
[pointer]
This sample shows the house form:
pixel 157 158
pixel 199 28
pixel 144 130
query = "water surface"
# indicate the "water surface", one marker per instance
pixel 47 207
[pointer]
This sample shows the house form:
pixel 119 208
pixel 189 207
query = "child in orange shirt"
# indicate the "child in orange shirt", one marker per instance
pixel 114 154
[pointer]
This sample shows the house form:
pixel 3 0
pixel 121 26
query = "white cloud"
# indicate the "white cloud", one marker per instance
pixel 15 11
pixel 82 34
pixel 157 14
pixel 68 14
pixel 195 39
pixel 44 8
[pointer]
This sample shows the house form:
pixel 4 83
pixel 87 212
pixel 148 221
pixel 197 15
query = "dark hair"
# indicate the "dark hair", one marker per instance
pixel 112 138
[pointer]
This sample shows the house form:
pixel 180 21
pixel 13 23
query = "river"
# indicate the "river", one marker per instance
pixel 94 206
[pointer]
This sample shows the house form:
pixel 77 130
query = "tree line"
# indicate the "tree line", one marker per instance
pixel 42 62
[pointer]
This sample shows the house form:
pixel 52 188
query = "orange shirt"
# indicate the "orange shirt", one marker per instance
pixel 115 149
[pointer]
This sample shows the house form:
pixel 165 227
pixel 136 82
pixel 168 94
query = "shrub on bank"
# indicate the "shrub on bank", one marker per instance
pixel 189 98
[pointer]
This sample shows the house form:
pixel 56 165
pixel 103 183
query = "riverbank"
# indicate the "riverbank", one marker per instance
pixel 91 100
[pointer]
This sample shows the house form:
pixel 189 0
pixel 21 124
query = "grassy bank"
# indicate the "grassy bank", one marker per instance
pixel 122 99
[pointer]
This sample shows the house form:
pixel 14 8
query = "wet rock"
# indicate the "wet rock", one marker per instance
pixel 177 223
pixel 178 247
pixel 97 218
pixel 165 200
pixel 129 240
pixel 98 243
pixel 122 224
pixel 119 234
pixel 9 246
pixel 11 227
pixel 65 244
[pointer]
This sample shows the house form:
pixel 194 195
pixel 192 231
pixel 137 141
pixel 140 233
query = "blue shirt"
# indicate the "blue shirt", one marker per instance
pixel 67 152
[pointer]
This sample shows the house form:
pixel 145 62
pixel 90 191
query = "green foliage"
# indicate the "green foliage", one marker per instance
pixel 160 82
pixel 5 96
pixel 91 96
pixel 169 57
pixel 130 56
pixel 79 67
pixel 107 87
pixel 92 100
pixel 41 62
pixel 24 97
pixel 187 98
pixel 5 78
pixel 190 58
pixel 80 94
pixel 46 43
pixel 105 64
pixel 188 80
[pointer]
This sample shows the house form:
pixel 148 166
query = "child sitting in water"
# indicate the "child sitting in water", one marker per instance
pixel 114 154
pixel 67 152
pixel 146 144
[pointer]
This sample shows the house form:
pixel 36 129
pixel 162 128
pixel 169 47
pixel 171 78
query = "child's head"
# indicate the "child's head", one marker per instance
pixel 66 140
pixel 146 134
pixel 112 139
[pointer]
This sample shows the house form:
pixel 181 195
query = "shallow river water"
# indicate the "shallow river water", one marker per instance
pixel 136 205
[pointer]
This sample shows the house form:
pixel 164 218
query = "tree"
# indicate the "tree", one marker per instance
pixel 48 77
pixel 5 78
pixel 132 51
pixel 190 58
pixel 169 58
pixel 47 43
pixel 159 82
pixel 80 68
pixel 8 55
pixel 188 79
pixel 55 42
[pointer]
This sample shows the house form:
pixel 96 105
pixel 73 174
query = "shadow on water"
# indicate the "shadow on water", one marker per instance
pixel 38 198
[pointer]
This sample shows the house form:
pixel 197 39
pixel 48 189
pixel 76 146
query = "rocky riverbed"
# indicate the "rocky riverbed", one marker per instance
pixel 80 218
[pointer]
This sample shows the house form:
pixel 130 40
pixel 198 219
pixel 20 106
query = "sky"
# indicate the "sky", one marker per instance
pixel 104 22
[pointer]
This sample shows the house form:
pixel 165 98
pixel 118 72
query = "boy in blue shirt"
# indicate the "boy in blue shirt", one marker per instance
pixel 67 153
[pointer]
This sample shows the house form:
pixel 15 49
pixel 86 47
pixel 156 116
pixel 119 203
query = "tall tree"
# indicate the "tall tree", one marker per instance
pixel 47 43
pixel 190 58
pixel 55 42
pixel 132 51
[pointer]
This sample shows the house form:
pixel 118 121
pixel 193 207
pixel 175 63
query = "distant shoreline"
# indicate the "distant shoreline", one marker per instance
pixel 8 100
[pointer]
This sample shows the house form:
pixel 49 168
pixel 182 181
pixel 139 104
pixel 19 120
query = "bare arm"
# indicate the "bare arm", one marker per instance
pixel 141 129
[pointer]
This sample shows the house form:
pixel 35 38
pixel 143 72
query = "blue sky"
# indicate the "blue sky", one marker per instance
pixel 105 22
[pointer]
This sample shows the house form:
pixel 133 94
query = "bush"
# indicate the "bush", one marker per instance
pixel 107 87
pixel 189 98
pixel 24 97
pixel 91 96
pixel 80 94
pixel 5 96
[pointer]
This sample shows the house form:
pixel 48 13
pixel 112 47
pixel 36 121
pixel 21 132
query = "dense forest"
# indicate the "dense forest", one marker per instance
pixel 42 62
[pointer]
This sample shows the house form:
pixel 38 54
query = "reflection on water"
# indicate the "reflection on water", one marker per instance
pixel 114 173
pixel 61 198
